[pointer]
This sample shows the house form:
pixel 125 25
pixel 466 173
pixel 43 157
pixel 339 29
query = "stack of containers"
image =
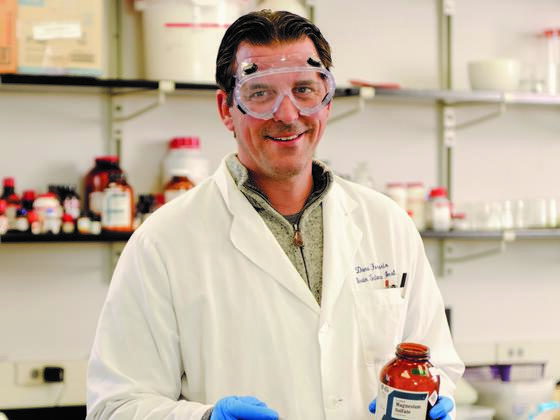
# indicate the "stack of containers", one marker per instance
pixel 184 166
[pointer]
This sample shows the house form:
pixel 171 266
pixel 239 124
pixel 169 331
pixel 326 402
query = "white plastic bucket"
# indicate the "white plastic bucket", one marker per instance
pixel 181 37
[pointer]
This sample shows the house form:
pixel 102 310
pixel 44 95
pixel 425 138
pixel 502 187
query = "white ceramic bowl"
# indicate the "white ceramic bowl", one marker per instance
pixel 494 74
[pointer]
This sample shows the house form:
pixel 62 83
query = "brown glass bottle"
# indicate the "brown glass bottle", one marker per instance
pixel 95 182
pixel 408 384
pixel 177 185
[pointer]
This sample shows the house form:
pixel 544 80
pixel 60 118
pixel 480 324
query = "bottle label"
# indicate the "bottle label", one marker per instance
pixel 397 404
pixel 116 208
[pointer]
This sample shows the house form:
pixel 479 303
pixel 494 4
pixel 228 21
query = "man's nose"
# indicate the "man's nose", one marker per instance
pixel 287 111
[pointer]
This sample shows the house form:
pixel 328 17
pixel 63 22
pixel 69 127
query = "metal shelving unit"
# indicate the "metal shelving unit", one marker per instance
pixel 26 237
pixel 118 85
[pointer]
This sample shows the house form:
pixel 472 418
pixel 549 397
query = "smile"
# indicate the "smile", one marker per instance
pixel 285 139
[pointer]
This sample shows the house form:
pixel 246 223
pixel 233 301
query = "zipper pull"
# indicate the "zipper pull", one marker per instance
pixel 298 240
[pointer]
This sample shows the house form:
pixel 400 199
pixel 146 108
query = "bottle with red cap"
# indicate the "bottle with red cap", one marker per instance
pixel 440 210
pixel 95 182
pixel 184 155
pixel 12 201
pixel 27 199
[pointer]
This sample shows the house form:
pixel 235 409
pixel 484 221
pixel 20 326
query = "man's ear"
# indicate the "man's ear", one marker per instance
pixel 224 109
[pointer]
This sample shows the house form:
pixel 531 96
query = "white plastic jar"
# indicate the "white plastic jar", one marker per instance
pixel 440 209
pixel 184 156
pixel 416 203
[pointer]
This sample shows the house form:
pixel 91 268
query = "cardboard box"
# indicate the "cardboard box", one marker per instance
pixel 60 37
pixel 8 48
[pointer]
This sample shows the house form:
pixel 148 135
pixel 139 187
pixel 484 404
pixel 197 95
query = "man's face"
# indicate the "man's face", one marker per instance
pixel 281 147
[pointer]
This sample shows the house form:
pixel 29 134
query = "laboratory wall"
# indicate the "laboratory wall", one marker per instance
pixel 51 294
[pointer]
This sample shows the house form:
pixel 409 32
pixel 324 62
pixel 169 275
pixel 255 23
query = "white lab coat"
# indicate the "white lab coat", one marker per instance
pixel 205 304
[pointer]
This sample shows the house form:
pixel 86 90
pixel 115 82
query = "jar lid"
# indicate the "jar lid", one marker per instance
pixel 438 192
pixel 9 181
pixel 67 217
pixel 29 195
pixel 191 142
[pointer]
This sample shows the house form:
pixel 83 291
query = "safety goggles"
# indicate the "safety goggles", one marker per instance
pixel 262 83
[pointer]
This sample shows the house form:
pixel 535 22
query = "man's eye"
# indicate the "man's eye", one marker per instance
pixel 304 90
pixel 259 95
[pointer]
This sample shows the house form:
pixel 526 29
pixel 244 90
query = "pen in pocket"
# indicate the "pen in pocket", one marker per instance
pixel 403 283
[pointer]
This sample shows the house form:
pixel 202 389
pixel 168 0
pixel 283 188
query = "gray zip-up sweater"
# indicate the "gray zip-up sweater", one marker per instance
pixel 304 248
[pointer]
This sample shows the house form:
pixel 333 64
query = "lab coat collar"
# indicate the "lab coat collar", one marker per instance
pixel 252 237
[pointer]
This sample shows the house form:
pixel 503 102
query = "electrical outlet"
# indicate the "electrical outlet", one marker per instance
pixel 29 373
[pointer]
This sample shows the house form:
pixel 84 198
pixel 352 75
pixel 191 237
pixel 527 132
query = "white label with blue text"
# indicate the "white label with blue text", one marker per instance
pixel 397 404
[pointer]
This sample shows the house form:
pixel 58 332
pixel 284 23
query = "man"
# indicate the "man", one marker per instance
pixel 272 289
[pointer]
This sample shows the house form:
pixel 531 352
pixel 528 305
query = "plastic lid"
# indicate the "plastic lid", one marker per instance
pixel 192 142
pixel 29 195
pixel 67 217
pixel 108 158
pixel 438 192
pixel 9 182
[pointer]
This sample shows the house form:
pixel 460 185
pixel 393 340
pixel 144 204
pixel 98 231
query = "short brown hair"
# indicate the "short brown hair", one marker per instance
pixel 264 27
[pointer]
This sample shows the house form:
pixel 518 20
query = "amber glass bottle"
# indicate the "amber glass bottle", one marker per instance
pixel 408 384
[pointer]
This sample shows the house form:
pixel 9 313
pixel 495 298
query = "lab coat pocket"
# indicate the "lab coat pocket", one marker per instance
pixel 380 314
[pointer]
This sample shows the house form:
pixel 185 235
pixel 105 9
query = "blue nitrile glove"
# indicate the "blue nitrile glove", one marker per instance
pixel 372 406
pixel 246 408
pixel 441 410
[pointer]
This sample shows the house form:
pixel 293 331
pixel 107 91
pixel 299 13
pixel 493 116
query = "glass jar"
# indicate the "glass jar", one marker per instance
pixel 96 181
pixel 179 184
pixel 117 211
pixel 408 384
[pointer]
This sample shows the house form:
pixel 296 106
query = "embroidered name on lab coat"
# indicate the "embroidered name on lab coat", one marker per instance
pixel 373 272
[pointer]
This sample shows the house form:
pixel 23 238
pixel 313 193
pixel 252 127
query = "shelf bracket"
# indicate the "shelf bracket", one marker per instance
pixel 365 93
pixel 490 116
pixel 164 87
pixel 446 258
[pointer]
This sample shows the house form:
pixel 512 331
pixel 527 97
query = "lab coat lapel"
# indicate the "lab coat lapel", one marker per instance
pixel 252 237
pixel 342 238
